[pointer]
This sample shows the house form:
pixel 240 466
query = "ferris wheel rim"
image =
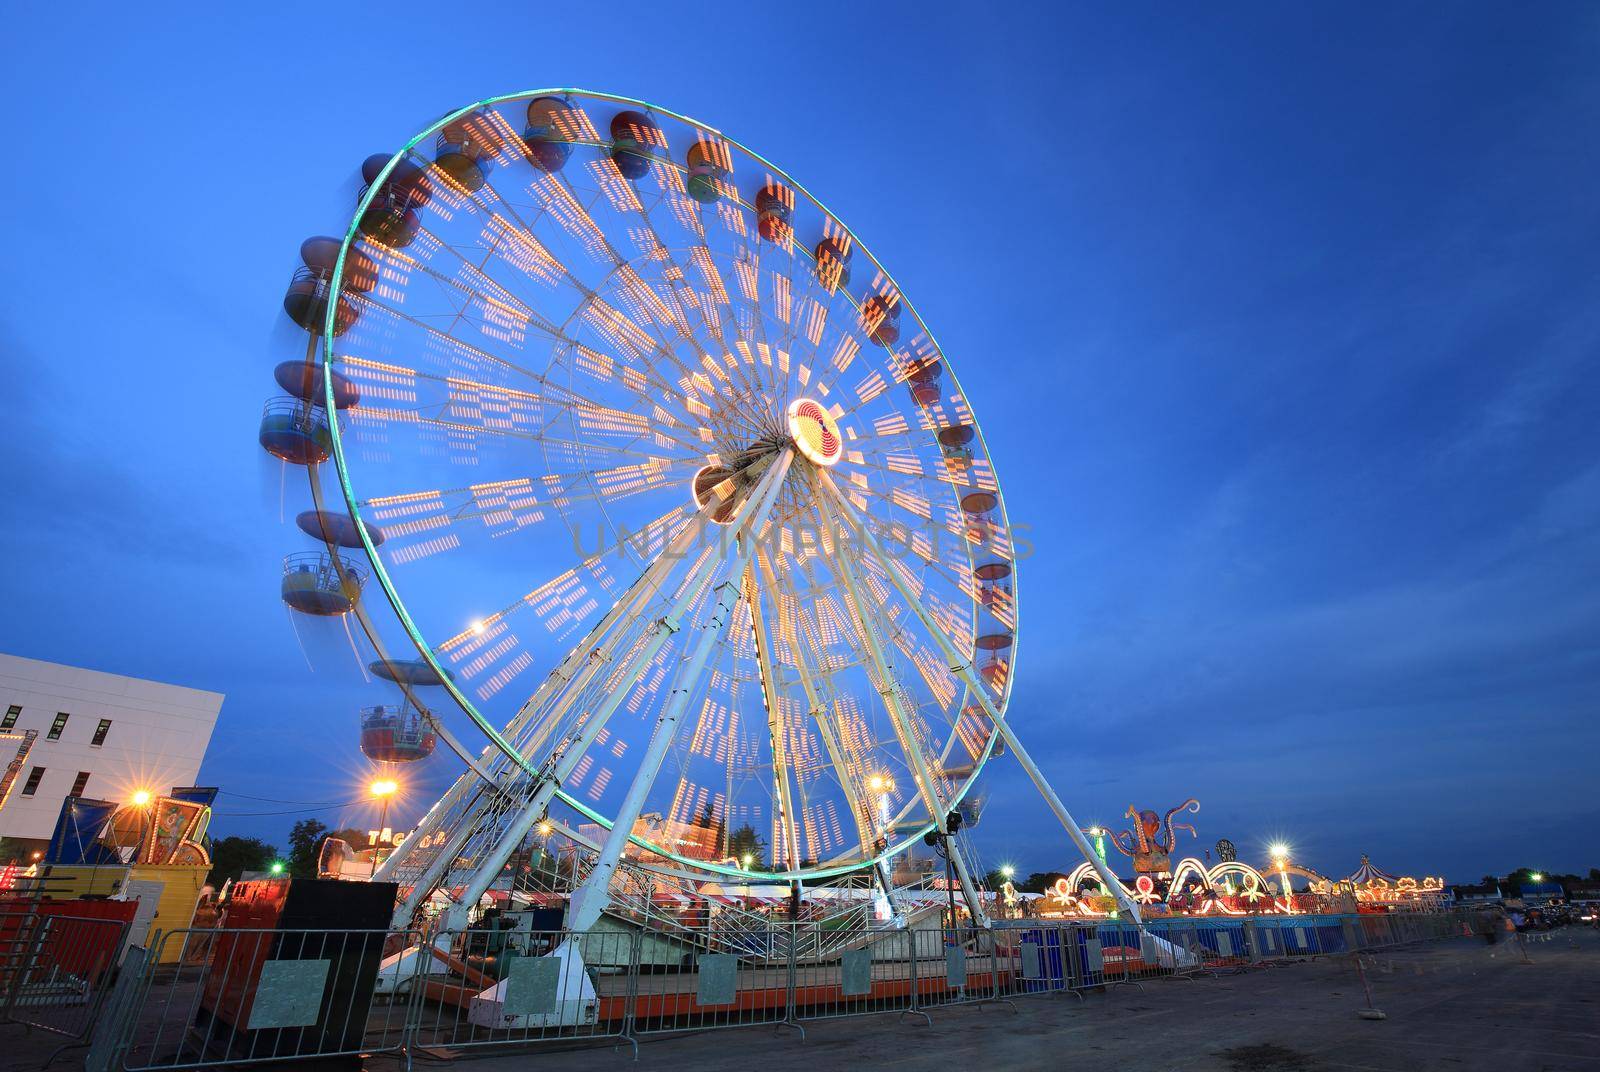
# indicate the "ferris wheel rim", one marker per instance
pixel 425 650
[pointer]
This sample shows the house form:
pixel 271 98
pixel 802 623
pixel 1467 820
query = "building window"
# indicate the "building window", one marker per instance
pixel 11 716
pixel 79 782
pixel 58 725
pixel 35 776
pixel 100 732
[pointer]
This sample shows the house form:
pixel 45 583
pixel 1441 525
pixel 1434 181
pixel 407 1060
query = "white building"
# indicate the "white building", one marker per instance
pixel 67 731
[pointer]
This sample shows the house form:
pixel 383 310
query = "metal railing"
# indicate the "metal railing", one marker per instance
pixel 258 996
pixel 56 968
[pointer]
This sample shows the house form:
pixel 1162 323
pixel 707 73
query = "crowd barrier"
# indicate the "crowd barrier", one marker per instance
pixel 56 969
pixel 254 997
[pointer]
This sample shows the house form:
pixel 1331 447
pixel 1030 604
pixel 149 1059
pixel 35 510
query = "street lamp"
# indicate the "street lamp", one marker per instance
pixel 383 789
pixel 882 785
pixel 1099 833
pixel 141 800
pixel 1280 857
pixel 938 840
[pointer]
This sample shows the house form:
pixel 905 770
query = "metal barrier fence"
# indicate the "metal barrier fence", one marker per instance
pixel 256 996
pixel 56 969
pixel 252 996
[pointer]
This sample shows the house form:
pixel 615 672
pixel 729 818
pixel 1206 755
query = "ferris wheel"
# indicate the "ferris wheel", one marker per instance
pixel 667 485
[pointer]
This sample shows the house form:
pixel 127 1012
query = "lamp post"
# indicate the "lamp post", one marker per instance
pixel 1099 834
pixel 141 800
pixel 939 841
pixel 882 785
pixel 1280 857
pixel 382 789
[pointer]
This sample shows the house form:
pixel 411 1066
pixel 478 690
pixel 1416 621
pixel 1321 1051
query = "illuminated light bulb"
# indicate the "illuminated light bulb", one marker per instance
pixel 384 787
pixel 477 627
pixel 141 797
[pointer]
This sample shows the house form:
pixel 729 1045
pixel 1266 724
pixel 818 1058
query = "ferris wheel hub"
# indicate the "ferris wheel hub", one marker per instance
pixel 815 432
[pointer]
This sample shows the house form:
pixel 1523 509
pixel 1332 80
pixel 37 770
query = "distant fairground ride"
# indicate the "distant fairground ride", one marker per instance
pixel 668 487
pixel 1229 887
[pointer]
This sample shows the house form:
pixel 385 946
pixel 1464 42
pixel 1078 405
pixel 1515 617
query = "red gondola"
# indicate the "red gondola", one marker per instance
pixel 392 734
pixel 879 319
pixel 774 210
pixel 553 126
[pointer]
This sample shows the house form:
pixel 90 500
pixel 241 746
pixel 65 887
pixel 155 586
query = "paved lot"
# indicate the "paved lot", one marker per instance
pixel 1456 1005
pixel 1450 1005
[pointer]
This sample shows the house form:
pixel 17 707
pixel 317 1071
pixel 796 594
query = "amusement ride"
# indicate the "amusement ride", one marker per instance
pixel 659 506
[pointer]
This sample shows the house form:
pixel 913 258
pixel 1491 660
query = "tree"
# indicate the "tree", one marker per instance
pixel 305 841
pixel 232 856
pixel 746 842
pixel 1039 881
pixel 996 879
pixel 710 821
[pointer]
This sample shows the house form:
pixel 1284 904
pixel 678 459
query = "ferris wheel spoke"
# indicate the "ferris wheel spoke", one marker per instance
pixel 966 550
pixel 590 899
pixel 666 393
pixel 557 333
pixel 851 776
pixel 889 688
pixel 962 666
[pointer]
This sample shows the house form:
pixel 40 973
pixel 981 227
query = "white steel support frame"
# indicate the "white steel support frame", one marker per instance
pixel 961 666
pixel 577 668
pixel 489 868
pixel 860 807
pixel 772 698
pixel 889 688
pixel 596 659
pixel 592 897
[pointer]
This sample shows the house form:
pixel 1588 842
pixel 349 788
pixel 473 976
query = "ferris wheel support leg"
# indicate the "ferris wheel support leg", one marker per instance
pixel 889 687
pixel 591 898
pixel 489 868
pixel 962 667
pixel 776 733
pixel 538 802
pixel 578 663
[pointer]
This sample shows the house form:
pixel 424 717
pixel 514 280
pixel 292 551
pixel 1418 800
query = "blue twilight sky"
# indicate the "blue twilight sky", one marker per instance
pixel 1282 326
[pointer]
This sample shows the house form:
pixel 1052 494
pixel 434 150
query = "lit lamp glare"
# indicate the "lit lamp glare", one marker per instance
pixel 1536 876
pixel 384 787
pixel 1279 851
pixel 1007 871
pixel 141 797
